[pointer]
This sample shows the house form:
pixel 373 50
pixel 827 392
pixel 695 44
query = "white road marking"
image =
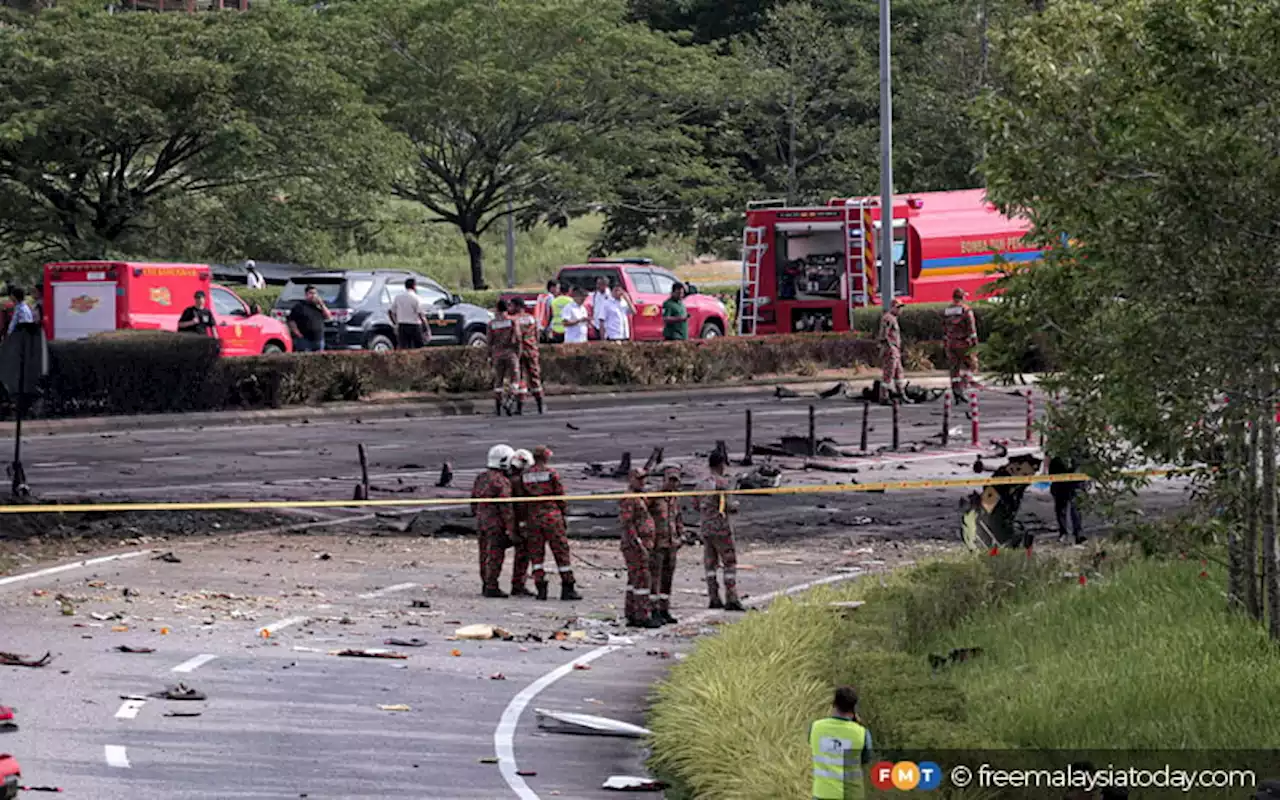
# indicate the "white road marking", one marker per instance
pixel 193 664
pixel 281 453
pixel 116 756
pixel 276 627
pixel 92 562
pixel 591 435
pixel 158 459
pixel 504 734
pixel 399 587
pixel 60 465
pixel 128 710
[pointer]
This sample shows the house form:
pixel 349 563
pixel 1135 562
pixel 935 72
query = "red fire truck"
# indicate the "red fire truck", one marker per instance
pixel 807 269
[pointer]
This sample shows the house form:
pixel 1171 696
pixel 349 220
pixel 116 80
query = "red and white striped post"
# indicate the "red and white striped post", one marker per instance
pixel 946 419
pixel 973 416
pixel 1031 417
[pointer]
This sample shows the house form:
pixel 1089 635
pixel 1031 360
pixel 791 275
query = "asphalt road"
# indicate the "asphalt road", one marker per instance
pixel 285 718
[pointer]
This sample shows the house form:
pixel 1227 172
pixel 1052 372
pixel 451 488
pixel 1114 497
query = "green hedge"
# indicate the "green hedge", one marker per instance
pixel 921 322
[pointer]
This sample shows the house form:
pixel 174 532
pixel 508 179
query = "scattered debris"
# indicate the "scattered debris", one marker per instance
pixel 124 648
pixel 568 722
pixel 180 691
pixel 397 707
pixel 183 713
pixel 420 604
pixel 406 642
pixel 630 783
pixel 659 653
pixel 582 667
pixel 480 632
pixel 8 720
pixel 15 660
pixel 168 558
pixel 497 676
pixel 765 476
pixel 526 773
pixel 783 392
pixel 455 653
pixel 446 476
pixel 489 760
pixel 839 388
pixel 323 556
pixel 369 653
pixel 120 629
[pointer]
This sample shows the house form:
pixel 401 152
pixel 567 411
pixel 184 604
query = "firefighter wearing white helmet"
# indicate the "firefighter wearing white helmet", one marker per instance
pixel 521 460
pixel 495 522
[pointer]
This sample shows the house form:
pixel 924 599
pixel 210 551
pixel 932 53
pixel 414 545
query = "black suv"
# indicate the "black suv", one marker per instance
pixel 361 302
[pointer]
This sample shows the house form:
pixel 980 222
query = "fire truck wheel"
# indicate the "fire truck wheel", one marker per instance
pixel 711 330
pixel 381 344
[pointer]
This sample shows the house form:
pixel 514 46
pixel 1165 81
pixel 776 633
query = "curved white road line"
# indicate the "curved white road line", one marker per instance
pixel 92 562
pixel 504 734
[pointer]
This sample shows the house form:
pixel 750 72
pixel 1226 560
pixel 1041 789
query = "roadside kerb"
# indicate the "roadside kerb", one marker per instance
pixel 429 405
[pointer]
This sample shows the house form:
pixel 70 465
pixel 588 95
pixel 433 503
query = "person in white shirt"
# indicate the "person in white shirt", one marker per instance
pixel 253 278
pixel 615 316
pixel 22 314
pixel 575 318
pixel 599 298
pixel 410 318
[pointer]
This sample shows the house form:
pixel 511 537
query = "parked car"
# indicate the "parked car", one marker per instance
pixel 361 304
pixel 85 298
pixel 649 286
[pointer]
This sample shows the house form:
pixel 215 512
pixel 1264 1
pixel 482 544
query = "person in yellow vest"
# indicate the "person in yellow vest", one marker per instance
pixel 841 750
pixel 558 303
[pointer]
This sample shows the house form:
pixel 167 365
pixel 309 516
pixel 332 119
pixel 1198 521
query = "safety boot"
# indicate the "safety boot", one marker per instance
pixel 519 590
pixel 494 591
pixel 734 605
pixel 567 591
pixel 643 622
pixel 541 586
pixel 716 602
pixel 667 618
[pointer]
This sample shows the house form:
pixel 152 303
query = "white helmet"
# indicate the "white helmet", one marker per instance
pixel 522 459
pixel 500 456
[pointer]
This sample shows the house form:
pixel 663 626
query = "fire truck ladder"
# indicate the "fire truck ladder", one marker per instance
pixel 753 250
pixel 861 255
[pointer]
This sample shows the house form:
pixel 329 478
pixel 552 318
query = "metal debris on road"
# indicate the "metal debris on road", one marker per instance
pixel 526 773
pixel 369 653
pixel 479 632
pixel 630 783
pixel 397 707
pixel 420 604
pixel 659 653
pixel 455 653
pixel 582 667
pixel 183 713
pixel 406 642
pixel 168 558
pixel 180 691
pixel 489 760
pixel 587 724
pixel 124 648
pixel 15 660
pixel 497 676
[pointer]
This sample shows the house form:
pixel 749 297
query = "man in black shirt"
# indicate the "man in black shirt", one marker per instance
pixel 306 323
pixel 197 318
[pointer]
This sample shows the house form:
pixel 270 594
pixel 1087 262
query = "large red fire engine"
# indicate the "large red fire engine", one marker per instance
pixel 807 269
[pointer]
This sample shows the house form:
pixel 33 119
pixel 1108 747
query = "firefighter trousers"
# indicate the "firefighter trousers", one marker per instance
pixel 719 552
pixel 540 537
pixel 506 374
pixel 531 373
pixel 662 565
pixel 639 583
pixel 492 554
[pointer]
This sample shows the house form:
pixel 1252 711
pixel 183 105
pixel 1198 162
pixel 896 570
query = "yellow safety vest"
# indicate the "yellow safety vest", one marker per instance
pixel 557 312
pixel 837 759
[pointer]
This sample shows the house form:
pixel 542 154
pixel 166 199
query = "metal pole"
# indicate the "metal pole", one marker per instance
pixel 895 424
pixel 886 162
pixel 866 410
pixel 746 460
pixel 511 247
pixel 1031 417
pixel 946 419
pixel 19 486
pixel 813 434
pixel 973 417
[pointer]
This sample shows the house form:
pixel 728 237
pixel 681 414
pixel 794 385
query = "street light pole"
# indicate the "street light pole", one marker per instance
pixel 886 162
pixel 511 247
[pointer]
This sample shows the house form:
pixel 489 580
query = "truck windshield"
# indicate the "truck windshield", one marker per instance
pixel 586 278
pixel 330 291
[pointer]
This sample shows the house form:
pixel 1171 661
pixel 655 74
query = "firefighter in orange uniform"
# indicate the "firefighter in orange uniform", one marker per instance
pixel 504 355
pixel 960 338
pixel 637 543
pixel 530 362
pixel 521 460
pixel 890 339
pixel 495 522
pixel 546 526
pixel 668 534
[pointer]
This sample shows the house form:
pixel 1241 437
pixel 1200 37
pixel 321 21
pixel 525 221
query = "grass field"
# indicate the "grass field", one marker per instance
pixel 1141 656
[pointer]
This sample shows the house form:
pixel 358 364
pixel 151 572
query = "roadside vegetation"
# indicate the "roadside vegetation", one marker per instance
pixel 1142 655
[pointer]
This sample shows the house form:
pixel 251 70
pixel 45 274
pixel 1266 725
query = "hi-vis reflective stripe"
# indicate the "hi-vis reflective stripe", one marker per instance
pixel 432 502
pixel 834 761
pixel 537 477
pixel 818 772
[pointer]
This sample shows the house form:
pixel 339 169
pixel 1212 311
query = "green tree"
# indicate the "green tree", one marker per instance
pixel 534 103
pixel 107 120
pixel 1145 130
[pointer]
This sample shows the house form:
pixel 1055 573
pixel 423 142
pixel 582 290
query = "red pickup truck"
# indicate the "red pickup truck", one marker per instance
pixel 649 286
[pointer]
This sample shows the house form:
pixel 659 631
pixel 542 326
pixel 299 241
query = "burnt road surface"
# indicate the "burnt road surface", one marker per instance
pixel 286 717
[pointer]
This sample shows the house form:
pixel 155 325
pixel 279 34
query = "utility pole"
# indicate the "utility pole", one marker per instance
pixel 886 162
pixel 511 247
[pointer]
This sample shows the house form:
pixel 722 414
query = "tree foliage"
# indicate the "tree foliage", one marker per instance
pixel 109 123
pixel 1144 130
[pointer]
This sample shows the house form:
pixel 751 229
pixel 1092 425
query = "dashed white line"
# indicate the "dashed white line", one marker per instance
pixel 193 664
pixel 276 627
pixel 159 459
pixel 399 587
pixel 60 465
pixel 128 710
pixel 117 756
pixel 504 734
pixel 92 562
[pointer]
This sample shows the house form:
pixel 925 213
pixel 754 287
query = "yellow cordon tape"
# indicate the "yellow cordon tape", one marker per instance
pixel 427 502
